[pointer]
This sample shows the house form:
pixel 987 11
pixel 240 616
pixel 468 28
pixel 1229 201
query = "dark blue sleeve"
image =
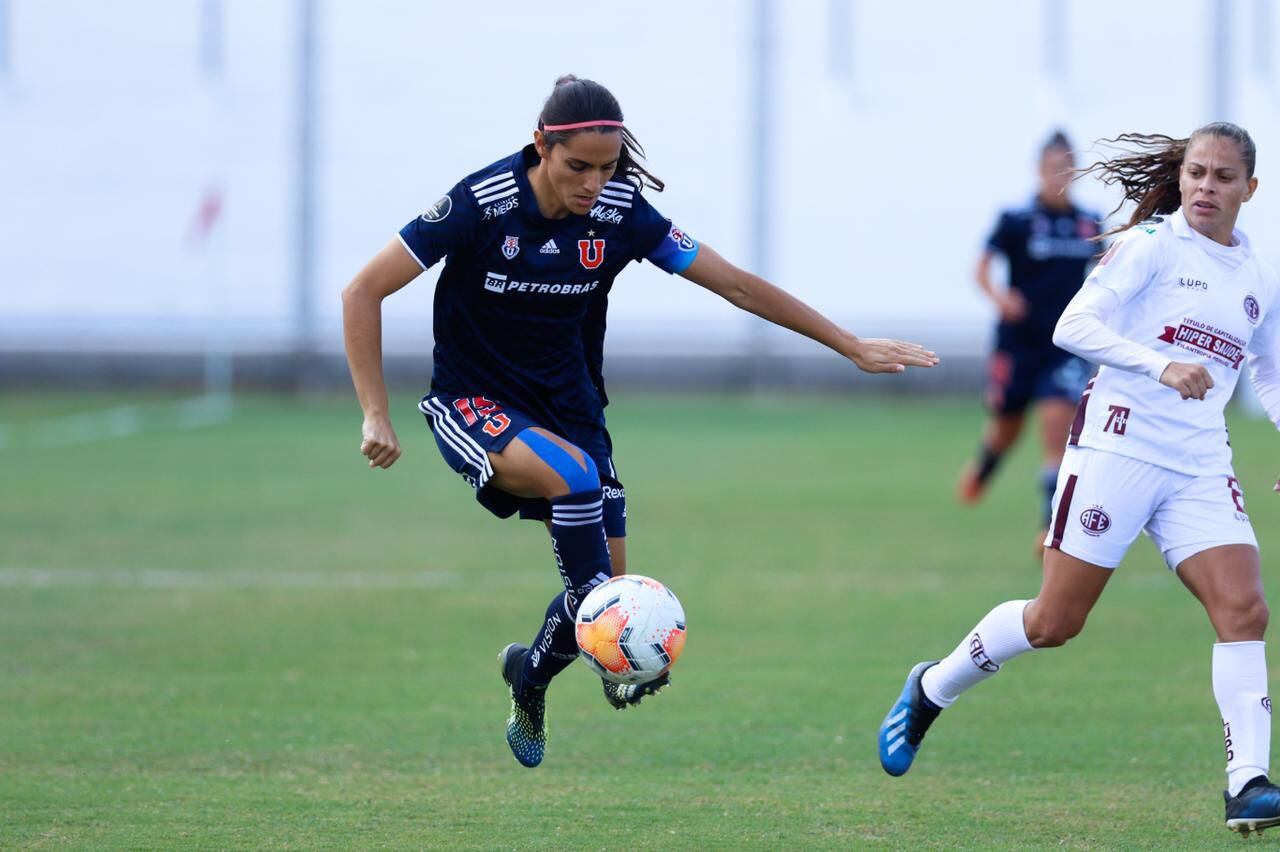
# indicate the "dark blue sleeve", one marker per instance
pixel 660 242
pixel 447 226
pixel 1001 237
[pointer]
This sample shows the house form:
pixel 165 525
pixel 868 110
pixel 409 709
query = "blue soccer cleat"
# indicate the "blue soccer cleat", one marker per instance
pixel 526 726
pixel 1256 807
pixel 904 727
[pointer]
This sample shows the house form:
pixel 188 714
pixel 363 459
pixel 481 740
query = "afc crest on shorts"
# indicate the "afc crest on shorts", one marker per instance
pixel 1103 500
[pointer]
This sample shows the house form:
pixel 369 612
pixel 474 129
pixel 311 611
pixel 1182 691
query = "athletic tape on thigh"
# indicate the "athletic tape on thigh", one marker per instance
pixel 574 474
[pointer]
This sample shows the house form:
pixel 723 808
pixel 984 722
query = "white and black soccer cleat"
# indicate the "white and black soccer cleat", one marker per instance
pixel 623 695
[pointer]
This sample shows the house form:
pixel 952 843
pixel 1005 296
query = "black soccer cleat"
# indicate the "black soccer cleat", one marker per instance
pixel 1257 806
pixel 623 695
pixel 526 726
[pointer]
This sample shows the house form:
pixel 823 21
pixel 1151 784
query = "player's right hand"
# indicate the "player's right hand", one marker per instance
pixel 1191 380
pixel 881 355
pixel 378 442
pixel 1012 306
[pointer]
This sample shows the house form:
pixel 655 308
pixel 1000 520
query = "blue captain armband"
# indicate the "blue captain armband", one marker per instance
pixel 674 252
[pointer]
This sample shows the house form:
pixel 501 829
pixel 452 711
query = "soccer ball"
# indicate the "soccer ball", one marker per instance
pixel 630 629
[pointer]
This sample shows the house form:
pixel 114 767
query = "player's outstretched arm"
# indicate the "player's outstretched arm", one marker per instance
pixel 752 293
pixel 390 269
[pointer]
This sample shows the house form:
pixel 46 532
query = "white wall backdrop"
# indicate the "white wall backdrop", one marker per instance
pixel 896 132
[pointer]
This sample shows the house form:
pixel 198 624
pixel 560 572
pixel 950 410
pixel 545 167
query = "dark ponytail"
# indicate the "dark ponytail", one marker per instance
pixel 1149 168
pixel 574 100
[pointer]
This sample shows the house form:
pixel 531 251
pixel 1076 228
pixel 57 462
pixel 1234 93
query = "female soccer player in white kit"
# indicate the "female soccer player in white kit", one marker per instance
pixel 1170 312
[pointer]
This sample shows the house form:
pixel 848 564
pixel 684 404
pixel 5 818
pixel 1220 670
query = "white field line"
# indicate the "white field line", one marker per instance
pixel 91 426
pixel 120 422
pixel 170 578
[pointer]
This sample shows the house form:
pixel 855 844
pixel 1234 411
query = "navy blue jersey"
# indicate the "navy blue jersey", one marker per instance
pixel 520 306
pixel 1049 252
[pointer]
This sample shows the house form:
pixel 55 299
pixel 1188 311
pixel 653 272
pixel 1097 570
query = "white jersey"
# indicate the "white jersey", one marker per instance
pixel 1180 297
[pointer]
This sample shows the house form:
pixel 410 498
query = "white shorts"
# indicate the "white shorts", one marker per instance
pixel 1103 500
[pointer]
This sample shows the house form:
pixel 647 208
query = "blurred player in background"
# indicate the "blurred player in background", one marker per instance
pixel 1171 311
pixel 532 245
pixel 1048 246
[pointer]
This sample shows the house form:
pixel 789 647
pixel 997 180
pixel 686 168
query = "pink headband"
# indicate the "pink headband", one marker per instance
pixel 554 128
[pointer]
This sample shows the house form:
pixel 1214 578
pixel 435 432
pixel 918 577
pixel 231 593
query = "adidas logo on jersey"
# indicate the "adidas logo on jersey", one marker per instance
pixel 549 247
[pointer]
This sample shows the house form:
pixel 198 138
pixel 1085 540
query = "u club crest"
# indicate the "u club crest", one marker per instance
pixel 511 247
pixel 591 253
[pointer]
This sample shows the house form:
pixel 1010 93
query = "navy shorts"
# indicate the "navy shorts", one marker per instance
pixel 468 428
pixel 1017 377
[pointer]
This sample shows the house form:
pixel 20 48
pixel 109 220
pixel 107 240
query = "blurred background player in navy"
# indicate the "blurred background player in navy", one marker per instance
pixel 1048 246
pixel 532 245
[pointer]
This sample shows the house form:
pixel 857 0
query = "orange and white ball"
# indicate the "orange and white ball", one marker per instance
pixel 630 629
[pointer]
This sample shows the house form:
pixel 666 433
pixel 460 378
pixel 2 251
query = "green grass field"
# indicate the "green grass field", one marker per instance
pixel 238 636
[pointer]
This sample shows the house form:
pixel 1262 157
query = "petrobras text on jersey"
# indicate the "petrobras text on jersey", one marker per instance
pixel 496 283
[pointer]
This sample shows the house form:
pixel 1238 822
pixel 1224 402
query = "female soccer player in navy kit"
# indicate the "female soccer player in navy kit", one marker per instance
pixel 1171 312
pixel 532 245
pixel 1049 245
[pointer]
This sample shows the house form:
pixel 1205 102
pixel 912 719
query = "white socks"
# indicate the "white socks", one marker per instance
pixel 998 638
pixel 1240 687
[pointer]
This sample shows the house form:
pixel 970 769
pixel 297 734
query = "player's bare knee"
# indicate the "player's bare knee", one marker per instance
pixel 1051 630
pixel 1245 622
pixel 1259 617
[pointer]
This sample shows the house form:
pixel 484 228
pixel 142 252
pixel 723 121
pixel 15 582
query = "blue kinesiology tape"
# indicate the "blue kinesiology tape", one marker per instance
pixel 574 474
